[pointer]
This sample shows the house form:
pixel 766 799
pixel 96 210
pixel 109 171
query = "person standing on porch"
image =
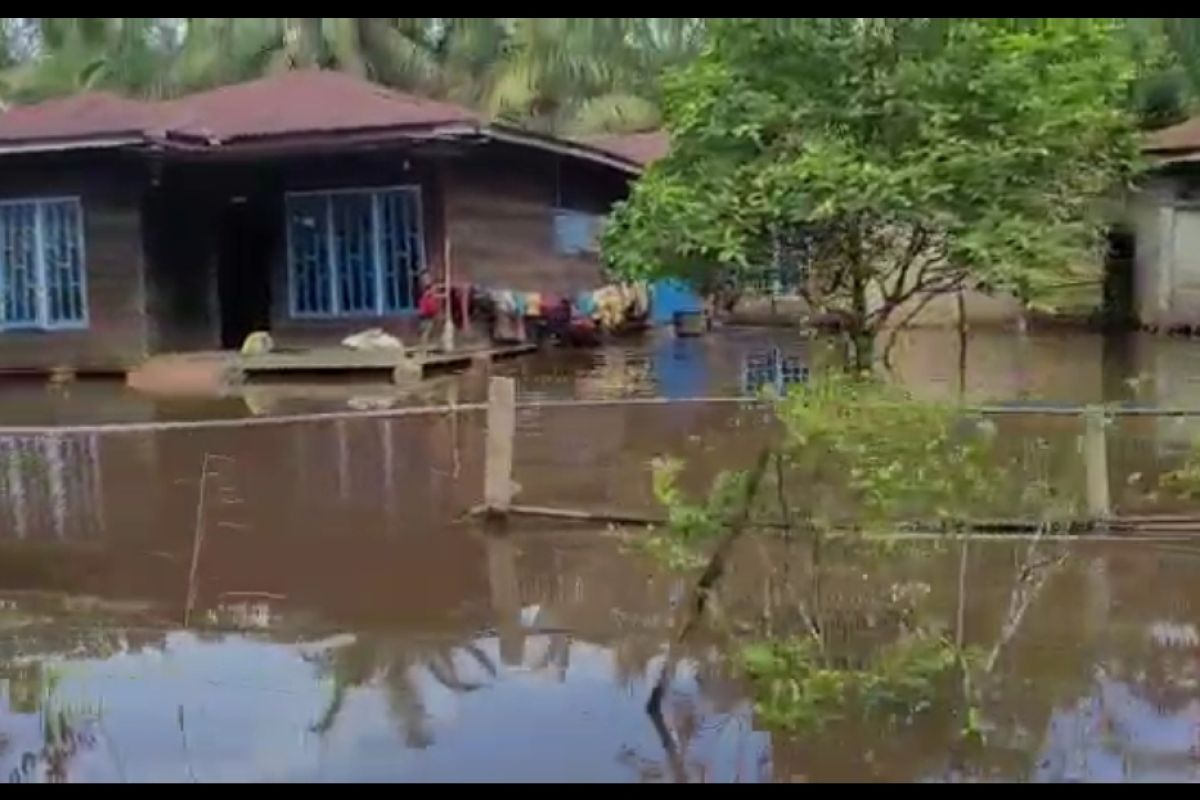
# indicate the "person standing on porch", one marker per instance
pixel 432 309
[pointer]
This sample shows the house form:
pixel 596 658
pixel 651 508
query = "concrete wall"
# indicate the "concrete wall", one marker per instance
pixel 982 311
pixel 1166 218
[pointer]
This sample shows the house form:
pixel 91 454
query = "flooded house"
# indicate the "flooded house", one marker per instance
pixel 1165 212
pixel 310 205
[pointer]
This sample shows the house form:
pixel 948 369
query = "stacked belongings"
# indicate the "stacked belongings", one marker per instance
pixel 519 317
pixel 622 308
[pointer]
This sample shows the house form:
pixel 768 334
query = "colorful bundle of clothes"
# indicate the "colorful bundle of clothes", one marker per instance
pixel 621 305
pixel 518 317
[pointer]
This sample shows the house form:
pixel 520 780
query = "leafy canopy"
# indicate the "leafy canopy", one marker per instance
pixel 894 158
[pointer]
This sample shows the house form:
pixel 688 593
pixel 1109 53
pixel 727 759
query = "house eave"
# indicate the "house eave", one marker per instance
pixel 33 147
pixel 321 143
pixel 516 136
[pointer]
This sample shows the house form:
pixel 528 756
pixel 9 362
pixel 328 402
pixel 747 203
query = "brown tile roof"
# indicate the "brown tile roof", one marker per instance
pixel 1181 138
pixel 639 148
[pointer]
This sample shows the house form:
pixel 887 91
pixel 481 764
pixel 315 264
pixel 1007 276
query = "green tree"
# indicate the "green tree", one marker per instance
pixel 569 75
pixel 54 56
pixel 1167 57
pixel 894 159
pixel 220 50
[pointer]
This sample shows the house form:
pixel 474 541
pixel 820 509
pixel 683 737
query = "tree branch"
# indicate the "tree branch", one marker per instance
pixel 931 295
pixel 917 244
pixel 702 593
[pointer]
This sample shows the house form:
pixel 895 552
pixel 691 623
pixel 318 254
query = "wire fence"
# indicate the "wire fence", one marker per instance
pixel 422 469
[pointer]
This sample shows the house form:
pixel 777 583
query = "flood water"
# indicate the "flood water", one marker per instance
pixel 1049 367
pixel 301 602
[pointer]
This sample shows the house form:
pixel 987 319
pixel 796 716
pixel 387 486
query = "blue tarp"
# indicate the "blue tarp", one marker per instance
pixel 671 298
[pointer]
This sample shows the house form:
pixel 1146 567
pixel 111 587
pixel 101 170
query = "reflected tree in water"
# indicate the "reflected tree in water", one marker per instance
pixel 66 730
pixel 397 666
pixel 41 635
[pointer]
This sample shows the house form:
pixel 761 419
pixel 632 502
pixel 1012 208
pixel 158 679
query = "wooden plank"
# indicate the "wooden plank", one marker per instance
pixel 346 360
pixel 332 359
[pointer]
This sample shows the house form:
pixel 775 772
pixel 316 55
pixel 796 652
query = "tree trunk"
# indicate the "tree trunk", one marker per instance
pixel 862 336
pixel 862 351
pixel 963 343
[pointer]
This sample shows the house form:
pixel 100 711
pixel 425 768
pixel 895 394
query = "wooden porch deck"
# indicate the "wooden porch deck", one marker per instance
pixel 400 367
pixel 193 374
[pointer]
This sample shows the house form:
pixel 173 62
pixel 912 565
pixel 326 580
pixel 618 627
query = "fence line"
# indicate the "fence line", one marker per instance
pixel 540 405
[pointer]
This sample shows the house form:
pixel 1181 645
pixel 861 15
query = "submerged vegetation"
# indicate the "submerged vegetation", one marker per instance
pixel 857 463
pixel 799 689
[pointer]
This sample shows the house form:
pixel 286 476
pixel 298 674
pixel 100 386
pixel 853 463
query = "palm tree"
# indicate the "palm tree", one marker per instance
pixel 73 54
pixel 563 74
pixel 573 75
pixel 395 665
pixel 219 50
pixel 554 74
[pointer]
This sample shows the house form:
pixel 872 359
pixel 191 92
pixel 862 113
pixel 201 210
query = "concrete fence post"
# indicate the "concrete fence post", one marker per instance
pixel 1095 454
pixel 501 435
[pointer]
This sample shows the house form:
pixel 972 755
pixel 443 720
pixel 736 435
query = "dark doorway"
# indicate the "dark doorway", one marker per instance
pixel 249 229
pixel 1120 312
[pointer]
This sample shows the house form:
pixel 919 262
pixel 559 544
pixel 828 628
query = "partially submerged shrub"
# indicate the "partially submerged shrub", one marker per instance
pixel 857 458
pixel 798 690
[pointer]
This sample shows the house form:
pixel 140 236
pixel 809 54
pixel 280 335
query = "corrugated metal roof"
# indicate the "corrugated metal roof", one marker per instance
pixel 290 104
pixel 300 103
pixel 94 115
pixel 639 148
pixel 1181 138
pixel 291 112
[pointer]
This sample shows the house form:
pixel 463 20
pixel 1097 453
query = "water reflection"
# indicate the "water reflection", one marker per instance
pixel 294 486
pixel 1056 367
pixel 541 673
pixel 773 371
pixel 49 480
pixel 344 625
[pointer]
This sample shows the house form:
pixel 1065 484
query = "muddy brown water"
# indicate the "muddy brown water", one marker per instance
pixel 337 622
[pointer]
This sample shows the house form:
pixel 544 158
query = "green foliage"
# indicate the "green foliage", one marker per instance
pixel 799 692
pixel 1184 482
pixel 697 523
pixel 872 458
pixel 1162 89
pixel 690 526
pixel 577 75
pixel 54 56
pixel 1167 52
pixel 894 158
pixel 861 455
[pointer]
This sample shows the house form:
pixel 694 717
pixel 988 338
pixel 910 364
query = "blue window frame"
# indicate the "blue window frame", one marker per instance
pixel 577 233
pixel 355 253
pixel 773 370
pixel 42 280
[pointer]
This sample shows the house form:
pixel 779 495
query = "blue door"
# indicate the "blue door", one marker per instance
pixel 674 297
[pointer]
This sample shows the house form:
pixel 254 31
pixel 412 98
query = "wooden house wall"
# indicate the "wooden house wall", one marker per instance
pixel 110 191
pixel 153 239
pixel 334 173
pixel 500 206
